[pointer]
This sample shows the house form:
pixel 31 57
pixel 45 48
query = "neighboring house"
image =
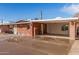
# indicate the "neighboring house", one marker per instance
pixel 62 27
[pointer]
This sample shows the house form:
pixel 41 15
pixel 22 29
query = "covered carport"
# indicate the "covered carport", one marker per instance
pixel 55 29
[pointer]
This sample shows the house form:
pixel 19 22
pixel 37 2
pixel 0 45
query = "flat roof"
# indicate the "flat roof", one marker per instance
pixel 14 23
pixel 54 20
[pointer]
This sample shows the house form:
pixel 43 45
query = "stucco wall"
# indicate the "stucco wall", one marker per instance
pixel 56 29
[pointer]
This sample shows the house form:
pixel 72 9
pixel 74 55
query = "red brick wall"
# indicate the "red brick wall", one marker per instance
pixel 77 25
pixel 37 27
pixel 23 29
pixel 4 28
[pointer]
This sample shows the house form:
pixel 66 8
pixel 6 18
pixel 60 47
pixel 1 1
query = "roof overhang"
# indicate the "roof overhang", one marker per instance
pixel 63 20
pixel 15 23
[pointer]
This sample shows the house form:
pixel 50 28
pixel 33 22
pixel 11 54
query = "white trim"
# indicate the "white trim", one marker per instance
pixel 56 19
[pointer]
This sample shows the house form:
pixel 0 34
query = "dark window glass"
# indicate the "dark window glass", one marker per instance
pixel 64 27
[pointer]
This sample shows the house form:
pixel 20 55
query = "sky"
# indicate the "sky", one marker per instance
pixel 16 11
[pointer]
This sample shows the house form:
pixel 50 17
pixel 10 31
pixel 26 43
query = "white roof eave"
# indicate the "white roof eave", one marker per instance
pixel 61 19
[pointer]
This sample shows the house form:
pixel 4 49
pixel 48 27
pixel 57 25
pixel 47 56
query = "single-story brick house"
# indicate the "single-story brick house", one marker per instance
pixel 62 27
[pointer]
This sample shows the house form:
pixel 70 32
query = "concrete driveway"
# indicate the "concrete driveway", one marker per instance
pixel 75 48
pixel 34 46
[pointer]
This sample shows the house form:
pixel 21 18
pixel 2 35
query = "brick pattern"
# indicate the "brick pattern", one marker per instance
pixel 31 29
pixel 24 29
pixel 72 30
pixel 37 27
pixel 77 26
pixel 4 28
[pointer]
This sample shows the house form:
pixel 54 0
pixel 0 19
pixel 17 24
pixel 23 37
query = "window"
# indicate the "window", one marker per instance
pixel 64 27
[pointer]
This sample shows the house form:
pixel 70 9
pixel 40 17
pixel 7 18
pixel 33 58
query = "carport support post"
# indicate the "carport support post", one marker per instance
pixel 42 29
pixel 72 30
